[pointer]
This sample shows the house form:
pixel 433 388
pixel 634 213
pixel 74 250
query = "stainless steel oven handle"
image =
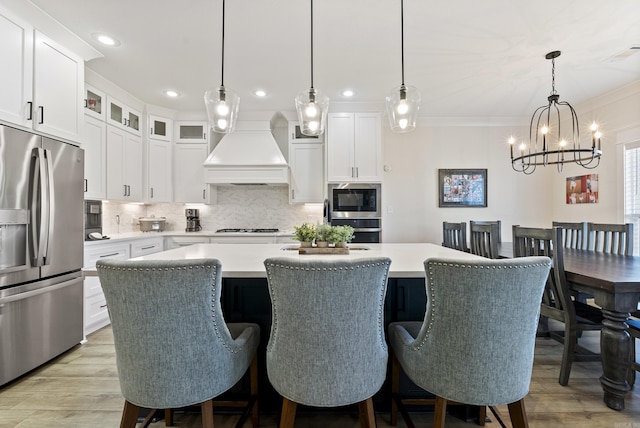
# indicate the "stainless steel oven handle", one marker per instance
pixel 368 229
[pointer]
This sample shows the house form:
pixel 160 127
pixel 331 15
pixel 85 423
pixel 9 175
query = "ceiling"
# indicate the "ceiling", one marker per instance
pixel 468 58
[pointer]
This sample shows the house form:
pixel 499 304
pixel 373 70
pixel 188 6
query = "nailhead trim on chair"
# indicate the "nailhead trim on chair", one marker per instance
pixel 274 326
pixel 433 296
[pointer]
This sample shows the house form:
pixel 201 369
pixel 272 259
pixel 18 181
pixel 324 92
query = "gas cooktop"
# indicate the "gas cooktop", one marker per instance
pixel 247 230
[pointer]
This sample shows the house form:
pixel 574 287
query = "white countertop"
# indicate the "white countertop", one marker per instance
pixel 169 233
pixel 247 260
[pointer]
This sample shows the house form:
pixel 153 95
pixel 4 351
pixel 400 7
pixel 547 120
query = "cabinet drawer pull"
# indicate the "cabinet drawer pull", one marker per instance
pixel 109 255
pixel 148 248
pixel 30 110
pixel 103 306
pixel 204 195
pixel 41 110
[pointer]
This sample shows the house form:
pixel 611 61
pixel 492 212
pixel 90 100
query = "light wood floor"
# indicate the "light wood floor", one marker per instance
pixel 80 389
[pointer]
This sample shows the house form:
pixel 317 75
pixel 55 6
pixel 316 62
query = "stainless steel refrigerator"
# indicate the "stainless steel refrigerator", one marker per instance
pixel 41 250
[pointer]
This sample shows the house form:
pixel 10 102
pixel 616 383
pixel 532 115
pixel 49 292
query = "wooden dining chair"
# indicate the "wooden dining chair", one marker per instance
pixel 573 234
pixel 484 238
pixel 610 238
pixel 557 303
pixel 454 235
pixel 497 222
pixel 634 365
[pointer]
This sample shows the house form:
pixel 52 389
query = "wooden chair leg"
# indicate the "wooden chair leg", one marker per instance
pixel 569 346
pixel 518 414
pixel 129 415
pixel 168 417
pixel 367 415
pixel 288 416
pixel 253 375
pixel 395 387
pixel 482 415
pixel 147 421
pixel 439 412
pixel 207 414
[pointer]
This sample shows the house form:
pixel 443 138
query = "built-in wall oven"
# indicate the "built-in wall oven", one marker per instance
pixel 356 205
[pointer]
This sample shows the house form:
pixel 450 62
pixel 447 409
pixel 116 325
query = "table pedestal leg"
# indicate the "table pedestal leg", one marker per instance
pixel 615 348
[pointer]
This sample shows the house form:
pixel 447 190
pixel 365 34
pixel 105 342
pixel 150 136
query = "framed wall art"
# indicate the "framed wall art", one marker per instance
pixel 462 188
pixel 582 189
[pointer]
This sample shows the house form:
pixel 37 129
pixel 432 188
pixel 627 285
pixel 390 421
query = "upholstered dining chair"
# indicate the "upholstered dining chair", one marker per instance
pixel 557 303
pixel 484 358
pixel 610 238
pixel 173 347
pixel 327 346
pixel 454 235
pixel 485 237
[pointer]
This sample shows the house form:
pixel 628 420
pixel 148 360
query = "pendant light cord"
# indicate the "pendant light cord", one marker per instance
pixel 402 36
pixel 311 44
pixel 222 72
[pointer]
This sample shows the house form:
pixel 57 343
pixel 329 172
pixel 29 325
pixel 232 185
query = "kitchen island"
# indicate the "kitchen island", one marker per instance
pixel 246 260
pixel 245 295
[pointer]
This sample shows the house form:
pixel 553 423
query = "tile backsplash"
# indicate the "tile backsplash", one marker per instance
pixel 236 207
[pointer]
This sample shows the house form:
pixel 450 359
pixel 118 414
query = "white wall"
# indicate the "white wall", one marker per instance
pixel 410 188
pixel 615 112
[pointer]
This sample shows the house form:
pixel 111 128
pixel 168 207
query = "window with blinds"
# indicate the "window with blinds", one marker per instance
pixel 632 191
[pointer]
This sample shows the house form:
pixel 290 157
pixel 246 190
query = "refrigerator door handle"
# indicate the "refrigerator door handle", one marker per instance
pixel 40 201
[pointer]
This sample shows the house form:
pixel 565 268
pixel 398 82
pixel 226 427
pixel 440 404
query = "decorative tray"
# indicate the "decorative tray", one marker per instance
pixel 323 250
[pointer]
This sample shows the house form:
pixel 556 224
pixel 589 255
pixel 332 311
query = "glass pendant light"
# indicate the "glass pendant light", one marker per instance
pixel 403 102
pixel 312 105
pixel 222 103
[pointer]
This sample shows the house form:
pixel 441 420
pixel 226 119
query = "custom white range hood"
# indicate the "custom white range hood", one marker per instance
pixel 249 155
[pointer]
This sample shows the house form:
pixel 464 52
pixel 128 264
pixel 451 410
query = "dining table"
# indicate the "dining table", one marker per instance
pixel 614 282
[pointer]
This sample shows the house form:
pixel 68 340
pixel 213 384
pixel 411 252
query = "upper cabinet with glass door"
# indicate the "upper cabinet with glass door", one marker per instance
pixel 192 132
pixel 123 116
pixel 95 102
pixel 160 128
pixel 296 135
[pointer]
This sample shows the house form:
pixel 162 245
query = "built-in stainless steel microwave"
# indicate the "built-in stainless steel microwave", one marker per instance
pixel 354 200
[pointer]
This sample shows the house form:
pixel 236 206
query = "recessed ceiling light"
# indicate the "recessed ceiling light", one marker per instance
pixel 106 39
pixel 348 93
pixel 260 93
pixel 171 93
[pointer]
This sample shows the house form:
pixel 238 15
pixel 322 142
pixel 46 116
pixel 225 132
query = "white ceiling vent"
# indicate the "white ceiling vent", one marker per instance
pixel 624 54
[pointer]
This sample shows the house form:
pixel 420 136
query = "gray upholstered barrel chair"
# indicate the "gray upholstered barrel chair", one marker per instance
pixel 327 346
pixel 485 357
pixel 173 347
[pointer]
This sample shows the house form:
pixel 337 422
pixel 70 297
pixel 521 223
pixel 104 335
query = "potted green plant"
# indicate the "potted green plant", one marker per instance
pixel 305 233
pixel 323 233
pixel 341 235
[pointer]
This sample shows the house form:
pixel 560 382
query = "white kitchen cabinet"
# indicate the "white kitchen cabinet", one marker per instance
pixel 122 116
pixel 94 143
pixel 96 314
pixel 16 72
pixel 159 171
pixel 172 242
pixel 144 246
pixel 354 147
pixel 296 135
pixel 160 128
pixel 41 82
pixel 188 173
pixel 95 102
pixel 192 132
pixel 124 165
pixel 307 172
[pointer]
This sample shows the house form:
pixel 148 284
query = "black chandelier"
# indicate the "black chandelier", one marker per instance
pixel 549 143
